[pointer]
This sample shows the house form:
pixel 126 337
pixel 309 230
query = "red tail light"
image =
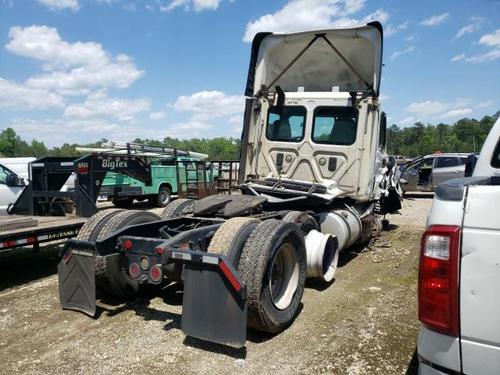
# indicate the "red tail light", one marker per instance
pixel 128 245
pixel 438 279
pixel 156 274
pixel 134 270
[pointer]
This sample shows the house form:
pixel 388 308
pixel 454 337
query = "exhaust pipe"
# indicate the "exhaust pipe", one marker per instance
pixel 322 255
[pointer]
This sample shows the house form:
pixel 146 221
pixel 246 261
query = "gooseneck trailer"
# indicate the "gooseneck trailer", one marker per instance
pixel 314 179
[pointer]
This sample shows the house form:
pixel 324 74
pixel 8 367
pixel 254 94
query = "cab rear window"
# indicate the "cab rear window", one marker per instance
pixel 335 125
pixel 495 161
pixel 286 124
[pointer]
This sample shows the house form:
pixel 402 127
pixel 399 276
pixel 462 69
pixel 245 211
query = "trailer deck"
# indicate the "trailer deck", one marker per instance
pixel 19 230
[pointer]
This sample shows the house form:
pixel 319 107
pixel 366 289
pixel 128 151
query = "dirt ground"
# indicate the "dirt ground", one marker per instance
pixel 365 322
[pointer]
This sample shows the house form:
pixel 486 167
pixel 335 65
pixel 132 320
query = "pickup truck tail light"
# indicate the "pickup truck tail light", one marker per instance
pixel 438 279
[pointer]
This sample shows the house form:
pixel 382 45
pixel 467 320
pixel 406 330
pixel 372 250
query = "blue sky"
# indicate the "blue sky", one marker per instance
pixel 80 70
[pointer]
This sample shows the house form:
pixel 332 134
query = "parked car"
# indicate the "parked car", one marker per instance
pixel 11 185
pixel 20 166
pixel 425 173
pixel 459 272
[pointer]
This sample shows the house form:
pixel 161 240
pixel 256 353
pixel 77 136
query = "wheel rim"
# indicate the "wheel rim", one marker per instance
pixel 164 198
pixel 284 276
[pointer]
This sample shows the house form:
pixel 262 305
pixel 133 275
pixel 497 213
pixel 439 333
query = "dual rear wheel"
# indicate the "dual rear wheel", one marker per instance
pixel 271 259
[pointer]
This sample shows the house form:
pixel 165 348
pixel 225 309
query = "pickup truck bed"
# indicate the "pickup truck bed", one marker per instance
pixel 19 230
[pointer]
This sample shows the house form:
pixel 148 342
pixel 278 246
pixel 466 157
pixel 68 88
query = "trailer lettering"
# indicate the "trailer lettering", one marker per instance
pixel 113 164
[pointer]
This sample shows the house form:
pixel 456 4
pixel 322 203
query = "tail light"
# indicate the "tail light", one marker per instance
pixel 134 270
pixel 128 245
pixel 156 274
pixel 438 279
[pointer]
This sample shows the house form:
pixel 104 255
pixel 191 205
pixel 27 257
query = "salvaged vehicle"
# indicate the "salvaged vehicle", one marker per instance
pixel 459 272
pixel 427 172
pixel 314 178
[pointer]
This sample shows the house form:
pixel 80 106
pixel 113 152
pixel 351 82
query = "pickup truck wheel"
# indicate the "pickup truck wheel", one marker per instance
pixel 305 221
pixel 177 208
pixel 111 272
pixel 231 237
pixel 273 267
pixel 123 202
pixel 163 197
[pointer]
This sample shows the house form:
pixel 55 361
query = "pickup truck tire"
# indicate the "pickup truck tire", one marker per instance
pixel 231 237
pixel 273 268
pixel 92 227
pixel 162 199
pixel 123 202
pixel 177 208
pixel 305 221
pixel 111 272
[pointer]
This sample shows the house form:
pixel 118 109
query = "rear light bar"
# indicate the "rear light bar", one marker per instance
pixel 438 279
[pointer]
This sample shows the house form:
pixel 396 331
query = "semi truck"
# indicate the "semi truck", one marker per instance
pixel 314 180
pixel 459 272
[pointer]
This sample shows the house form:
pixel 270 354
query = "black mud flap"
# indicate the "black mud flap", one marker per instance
pixel 77 281
pixel 212 309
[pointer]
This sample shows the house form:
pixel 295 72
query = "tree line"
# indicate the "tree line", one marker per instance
pixel 466 135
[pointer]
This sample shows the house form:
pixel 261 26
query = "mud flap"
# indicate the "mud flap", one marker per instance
pixel 77 281
pixel 212 309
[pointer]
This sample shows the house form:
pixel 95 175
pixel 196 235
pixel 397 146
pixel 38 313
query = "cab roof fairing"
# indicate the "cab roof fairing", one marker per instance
pixel 320 68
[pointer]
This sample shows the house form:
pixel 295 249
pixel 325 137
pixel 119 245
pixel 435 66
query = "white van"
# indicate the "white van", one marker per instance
pixel 11 186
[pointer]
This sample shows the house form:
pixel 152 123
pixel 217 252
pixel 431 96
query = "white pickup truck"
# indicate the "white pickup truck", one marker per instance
pixel 459 273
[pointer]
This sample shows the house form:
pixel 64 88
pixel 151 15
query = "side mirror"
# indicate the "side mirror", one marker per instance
pixel 12 180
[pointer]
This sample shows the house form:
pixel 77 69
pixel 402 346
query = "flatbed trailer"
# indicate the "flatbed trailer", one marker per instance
pixel 20 230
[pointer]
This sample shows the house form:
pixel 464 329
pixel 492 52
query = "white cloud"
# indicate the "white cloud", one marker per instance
pixel 188 129
pixel 439 110
pixel 155 116
pixel 435 20
pixel 391 30
pixel 19 97
pixel 486 104
pixel 470 28
pixel 71 68
pixel 461 112
pixel 397 54
pixel 196 5
pixel 407 121
pixel 458 57
pixel 98 105
pixel 488 56
pixel 206 105
pixel 299 15
pixel 60 4
pixel 427 108
pixel 492 40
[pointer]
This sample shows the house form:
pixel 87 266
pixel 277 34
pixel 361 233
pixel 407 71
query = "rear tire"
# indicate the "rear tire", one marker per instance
pixel 111 272
pixel 91 228
pixel 305 221
pixel 273 267
pixel 231 237
pixel 162 199
pixel 178 208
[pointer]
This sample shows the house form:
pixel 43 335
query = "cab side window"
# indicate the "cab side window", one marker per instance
pixel 3 175
pixel 495 160
pixel 447 161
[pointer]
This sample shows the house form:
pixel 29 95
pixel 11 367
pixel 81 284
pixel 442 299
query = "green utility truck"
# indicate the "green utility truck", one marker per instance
pixel 168 177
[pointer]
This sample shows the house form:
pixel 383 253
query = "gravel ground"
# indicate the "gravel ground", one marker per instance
pixel 365 322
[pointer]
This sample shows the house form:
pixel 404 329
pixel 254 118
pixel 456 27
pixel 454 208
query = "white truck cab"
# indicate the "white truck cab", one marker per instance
pixel 459 272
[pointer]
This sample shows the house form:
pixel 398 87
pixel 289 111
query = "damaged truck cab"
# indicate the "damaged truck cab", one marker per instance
pixel 313 123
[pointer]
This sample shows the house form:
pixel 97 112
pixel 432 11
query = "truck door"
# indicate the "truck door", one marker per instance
pixel 480 282
pixel 8 194
pixel 446 168
pixel 410 175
